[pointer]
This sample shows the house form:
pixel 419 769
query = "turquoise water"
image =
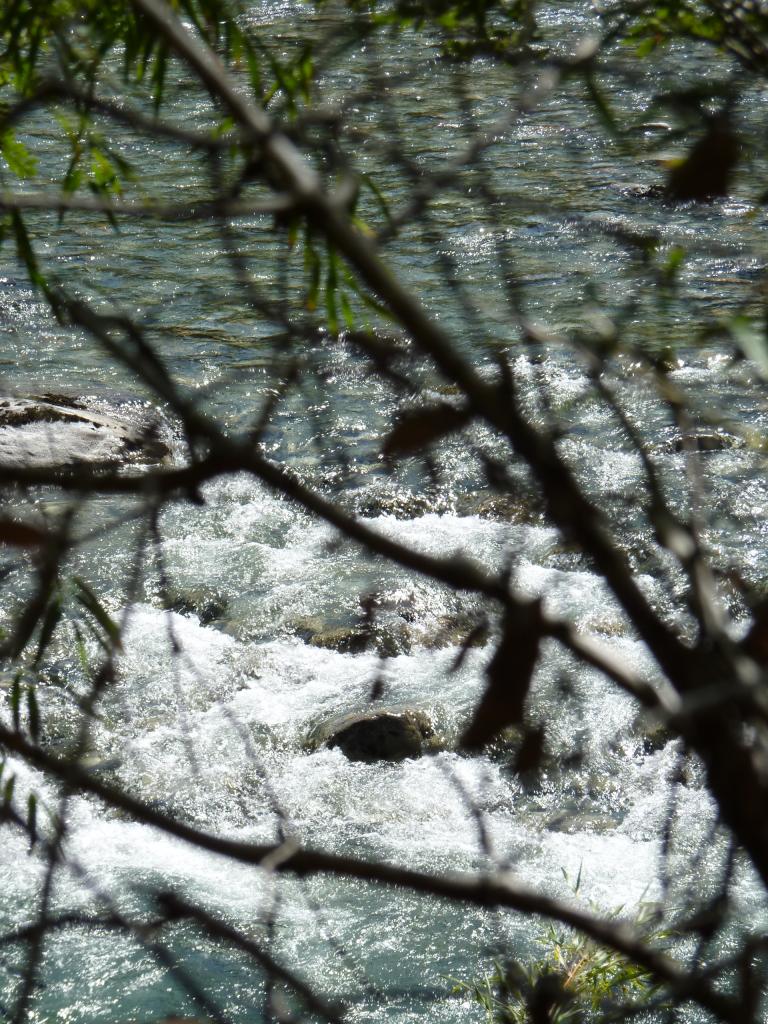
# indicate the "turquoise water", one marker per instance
pixel 215 733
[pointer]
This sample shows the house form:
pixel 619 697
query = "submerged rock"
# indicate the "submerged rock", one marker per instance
pixel 387 639
pixel 592 822
pixel 53 429
pixel 344 639
pixel 374 502
pixel 517 509
pixel 521 508
pixel 392 636
pixel 206 604
pixel 648 127
pixel 707 441
pixel 505 745
pixel 377 735
pixel 457 630
pixel 95 763
pixel 642 191
pixel 652 734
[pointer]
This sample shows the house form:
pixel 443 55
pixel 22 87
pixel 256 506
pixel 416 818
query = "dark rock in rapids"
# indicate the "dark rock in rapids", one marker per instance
pixel 377 501
pixel 651 733
pixel 344 639
pixel 638 191
pixel 207 605
pixel 387 639
pixel 457 630
pixel 391 636
pixel 377 735
pixel 53 429
pixel 505 745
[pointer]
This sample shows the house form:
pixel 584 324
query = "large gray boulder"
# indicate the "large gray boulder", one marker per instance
pixel 51 429
pixel 377 735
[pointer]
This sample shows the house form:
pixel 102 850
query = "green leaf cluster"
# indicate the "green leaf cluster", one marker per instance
pixel 737 28
pixel 575 979
pixel 467 28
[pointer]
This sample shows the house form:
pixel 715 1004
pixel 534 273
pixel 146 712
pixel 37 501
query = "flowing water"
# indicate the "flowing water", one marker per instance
pixel 216 733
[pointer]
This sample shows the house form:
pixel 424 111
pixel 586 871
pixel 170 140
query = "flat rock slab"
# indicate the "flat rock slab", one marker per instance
pixel 377 735
pixel 60 430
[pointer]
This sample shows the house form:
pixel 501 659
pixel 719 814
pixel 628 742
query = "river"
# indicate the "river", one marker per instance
pixel 216 733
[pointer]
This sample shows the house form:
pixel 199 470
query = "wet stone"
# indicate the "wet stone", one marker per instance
pixel 52 429
pixel 456 630
pixel 707 441
pixel 388 640
pixel 637 191
pixel 502 508
pixel 393 635
pixel 585 821
pixel 652 735
pixel 94 763
pixel 505 745
pixel 345 639
pixel 307 626
pixel 377 735
pixel 653 127
pixel 206 604
pixel 371 504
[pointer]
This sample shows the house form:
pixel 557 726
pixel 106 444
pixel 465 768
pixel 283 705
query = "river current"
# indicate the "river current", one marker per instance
pixel 215 733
